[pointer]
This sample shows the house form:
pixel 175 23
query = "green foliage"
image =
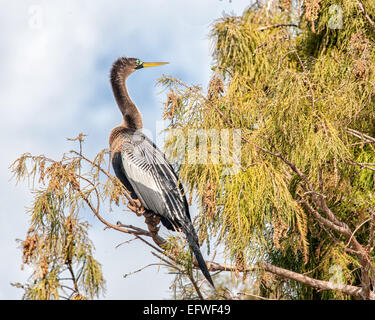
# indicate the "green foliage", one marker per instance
pixel 295 93
pixel 57 246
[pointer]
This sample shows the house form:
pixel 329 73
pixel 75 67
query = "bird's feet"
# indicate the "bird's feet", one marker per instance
pixel 152 221
pixel 136 206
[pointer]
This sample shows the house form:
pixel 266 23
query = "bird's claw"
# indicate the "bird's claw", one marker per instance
pixel 152 222
pixel 136 206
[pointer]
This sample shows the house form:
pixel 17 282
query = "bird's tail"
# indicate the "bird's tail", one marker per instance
pixel 194 245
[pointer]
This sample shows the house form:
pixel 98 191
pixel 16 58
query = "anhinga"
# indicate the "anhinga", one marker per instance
pixel 143 168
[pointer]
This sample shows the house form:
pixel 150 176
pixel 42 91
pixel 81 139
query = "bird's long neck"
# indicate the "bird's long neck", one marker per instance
pixel 130 112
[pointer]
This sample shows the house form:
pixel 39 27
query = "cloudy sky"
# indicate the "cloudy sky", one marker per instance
pixel 55 58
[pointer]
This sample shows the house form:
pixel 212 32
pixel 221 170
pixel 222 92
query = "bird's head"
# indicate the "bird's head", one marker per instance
pixel 126 66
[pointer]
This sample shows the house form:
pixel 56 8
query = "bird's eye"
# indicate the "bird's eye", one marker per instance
pixel 138 62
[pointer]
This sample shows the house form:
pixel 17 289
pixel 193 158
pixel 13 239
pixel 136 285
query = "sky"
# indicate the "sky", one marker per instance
pixel 55 58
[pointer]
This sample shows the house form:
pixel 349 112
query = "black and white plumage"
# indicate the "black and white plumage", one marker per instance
pixel 150 178
pixel 143 168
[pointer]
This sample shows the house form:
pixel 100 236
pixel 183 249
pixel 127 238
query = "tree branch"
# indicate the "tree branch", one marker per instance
pixel 364 11
pixel 291 275
pixel 278 25
pixel 333 223
pixel 318 284
pixel 361 135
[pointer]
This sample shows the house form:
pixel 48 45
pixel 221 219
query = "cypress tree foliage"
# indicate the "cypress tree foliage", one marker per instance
pixel 57 246
pixel 278 152
pixel 297 79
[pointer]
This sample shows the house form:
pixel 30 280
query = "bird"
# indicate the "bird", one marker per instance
pixel 142 168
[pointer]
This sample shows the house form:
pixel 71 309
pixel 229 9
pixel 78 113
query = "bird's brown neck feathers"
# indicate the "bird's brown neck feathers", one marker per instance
pixel 119 73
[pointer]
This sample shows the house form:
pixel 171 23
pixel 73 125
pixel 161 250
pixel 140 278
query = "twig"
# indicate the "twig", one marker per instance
pixel 129 226
pixel 107 223
pixel 238 208
pixel 197 289
pixel 255 296
pixel 171 265
pixel 126 193
pixel 356 229
pixel 278 25
pixel 325 221
pixel 364 11
pixel 73 278
pixel 141 269
pixel 150 220
pixel 361 135
pixel 125 242
pixel 362 165
pixel 371 236
pixel 318 198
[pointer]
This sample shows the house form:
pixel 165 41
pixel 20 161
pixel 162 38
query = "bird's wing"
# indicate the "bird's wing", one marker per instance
pixel 153 179
pixel 157 187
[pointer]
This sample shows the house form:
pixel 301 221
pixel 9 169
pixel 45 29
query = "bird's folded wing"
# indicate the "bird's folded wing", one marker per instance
pixel 154 180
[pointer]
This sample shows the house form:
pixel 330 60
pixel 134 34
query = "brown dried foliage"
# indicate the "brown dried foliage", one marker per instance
pixel 215 87
pixel 359 49
pixel 29 246
pixel 170 106
pixel 312 9
pixel 209 200
pixel 285 4
pixel 279 230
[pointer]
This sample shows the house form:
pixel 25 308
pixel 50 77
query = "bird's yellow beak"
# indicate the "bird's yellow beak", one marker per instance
pixel 153 64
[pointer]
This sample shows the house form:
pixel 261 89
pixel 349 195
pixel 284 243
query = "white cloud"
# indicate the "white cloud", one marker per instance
pixel 54 64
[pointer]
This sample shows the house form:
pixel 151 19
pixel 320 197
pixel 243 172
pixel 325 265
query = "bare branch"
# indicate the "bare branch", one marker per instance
pixel 107 223
pixel 318 284
pixel 357 228
pixel 366 138
pixel 370 244
pixel 141 269
pixel 125 192
pixel 278 25
pixel 325 221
